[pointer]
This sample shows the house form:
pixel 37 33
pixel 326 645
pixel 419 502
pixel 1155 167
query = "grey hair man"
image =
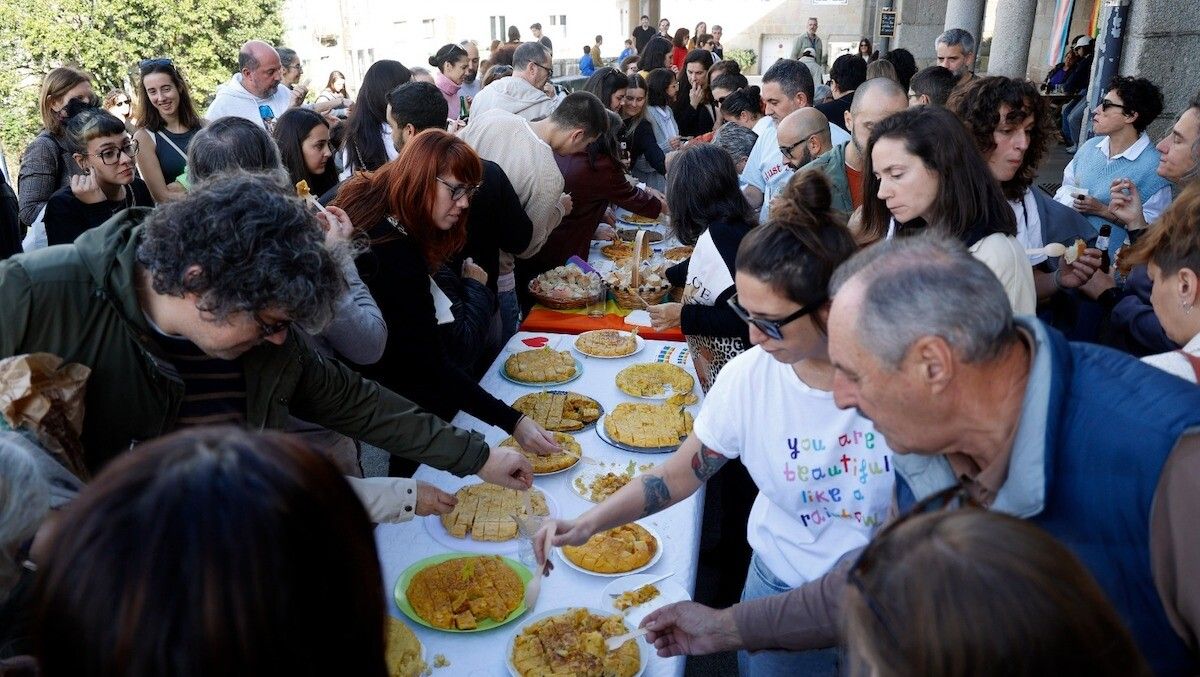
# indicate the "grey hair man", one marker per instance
pixel 956 51
pixel 873 101
pixel 471 82
pixel 528 93
pixel 1006 411
pixel 810 40
pixel 185 316
pixel 737 141
pixel 254 92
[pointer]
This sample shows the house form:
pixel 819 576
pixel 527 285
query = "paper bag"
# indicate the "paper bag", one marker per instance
pixel 40 394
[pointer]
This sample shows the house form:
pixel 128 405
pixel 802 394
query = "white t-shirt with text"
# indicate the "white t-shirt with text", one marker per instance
pixel 824 475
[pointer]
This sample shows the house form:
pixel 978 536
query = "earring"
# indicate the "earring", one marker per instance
pixel 1187 308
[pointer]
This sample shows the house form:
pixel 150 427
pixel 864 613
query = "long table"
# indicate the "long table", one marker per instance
pixel 484 653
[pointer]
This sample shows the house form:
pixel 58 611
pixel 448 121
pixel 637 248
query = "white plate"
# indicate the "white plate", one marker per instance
pixel 640 343
pixel 433 524
pixel 669 593
pixel 541 384
pixel 643 654
pixel 591 472
pixel 603 434
pixel 653 560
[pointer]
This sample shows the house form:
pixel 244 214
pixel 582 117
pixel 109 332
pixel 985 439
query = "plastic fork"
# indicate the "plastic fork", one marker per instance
pixel 614 643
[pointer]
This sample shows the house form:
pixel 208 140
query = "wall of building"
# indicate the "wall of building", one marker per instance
pixel 1161 43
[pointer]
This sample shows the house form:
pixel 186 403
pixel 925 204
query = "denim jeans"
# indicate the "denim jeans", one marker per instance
pixel 510 315
pixel 1072 119
pixel 760 582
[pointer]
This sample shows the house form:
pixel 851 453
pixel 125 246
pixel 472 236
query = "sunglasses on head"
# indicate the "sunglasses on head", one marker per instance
pixel 772 328
pixel 146 65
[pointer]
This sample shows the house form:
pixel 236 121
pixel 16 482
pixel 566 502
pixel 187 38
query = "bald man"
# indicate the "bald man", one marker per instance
pixel 874 100
pixel 802 136
pixel 254 92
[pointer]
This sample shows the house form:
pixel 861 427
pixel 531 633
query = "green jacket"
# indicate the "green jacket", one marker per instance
pixel 79 302
pixel 833 164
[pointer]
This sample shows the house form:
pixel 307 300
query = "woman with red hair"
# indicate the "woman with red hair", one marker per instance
pixel 413 211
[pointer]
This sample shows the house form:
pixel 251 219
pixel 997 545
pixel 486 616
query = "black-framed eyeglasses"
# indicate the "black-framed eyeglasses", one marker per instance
pixel 122 102
pixel 268 330
pixel 772 328
pixel 459 192
pixel 548 71
pixel 111 156
pixel 787 150
pixel 950 498
pixel 1105 105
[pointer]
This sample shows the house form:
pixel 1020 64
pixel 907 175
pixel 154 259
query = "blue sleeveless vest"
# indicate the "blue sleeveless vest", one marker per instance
pixel 1094 172
pixel 1111 424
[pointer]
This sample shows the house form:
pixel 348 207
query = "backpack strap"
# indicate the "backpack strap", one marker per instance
pixel 1194 361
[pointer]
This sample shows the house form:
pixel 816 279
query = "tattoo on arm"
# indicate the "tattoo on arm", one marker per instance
pixel 658 496
pixel 706 463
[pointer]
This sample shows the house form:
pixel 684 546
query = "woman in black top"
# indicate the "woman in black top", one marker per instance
pixel 709 212
pixel 647 160
pixel 106 155
pixel 303 139
pixel 417 209
pixel 694 108
pixel 168 121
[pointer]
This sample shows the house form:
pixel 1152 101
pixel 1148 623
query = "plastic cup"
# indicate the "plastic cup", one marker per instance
pixel 527 529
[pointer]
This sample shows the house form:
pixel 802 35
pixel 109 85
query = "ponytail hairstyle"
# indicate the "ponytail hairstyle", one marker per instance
pixel 744 100
pixel 448 54
pixel 805 240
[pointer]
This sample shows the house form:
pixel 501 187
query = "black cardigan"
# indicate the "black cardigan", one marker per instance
pixel 717 319
pixel 414 363
pixel 497 222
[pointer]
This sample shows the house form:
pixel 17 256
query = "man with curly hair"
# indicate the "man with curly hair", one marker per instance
pixel 185 316
pixel 1011 126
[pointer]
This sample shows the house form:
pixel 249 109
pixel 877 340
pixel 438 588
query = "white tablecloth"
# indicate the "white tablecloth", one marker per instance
pixel 679 526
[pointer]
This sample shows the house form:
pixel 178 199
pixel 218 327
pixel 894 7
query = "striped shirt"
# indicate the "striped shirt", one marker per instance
pixel 214 390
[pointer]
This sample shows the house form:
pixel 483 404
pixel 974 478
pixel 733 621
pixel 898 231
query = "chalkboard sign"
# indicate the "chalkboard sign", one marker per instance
pixel 887 24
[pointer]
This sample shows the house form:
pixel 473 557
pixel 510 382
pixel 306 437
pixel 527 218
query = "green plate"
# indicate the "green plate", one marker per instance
pixel 402 585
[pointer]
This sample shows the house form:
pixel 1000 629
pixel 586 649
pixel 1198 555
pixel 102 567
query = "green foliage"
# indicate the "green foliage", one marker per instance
pixel 109 38
pixel 745 58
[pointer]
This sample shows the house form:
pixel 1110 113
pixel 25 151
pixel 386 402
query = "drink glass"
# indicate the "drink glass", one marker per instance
pixel 597 298
pixel 527 528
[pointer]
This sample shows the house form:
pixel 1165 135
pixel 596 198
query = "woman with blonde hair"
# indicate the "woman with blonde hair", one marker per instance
pixel 47 165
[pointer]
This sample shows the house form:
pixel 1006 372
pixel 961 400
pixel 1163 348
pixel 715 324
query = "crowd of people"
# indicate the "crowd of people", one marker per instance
pixel 917 406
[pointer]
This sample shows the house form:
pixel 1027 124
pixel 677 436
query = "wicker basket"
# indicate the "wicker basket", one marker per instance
pixel 556 304
pixel 636 296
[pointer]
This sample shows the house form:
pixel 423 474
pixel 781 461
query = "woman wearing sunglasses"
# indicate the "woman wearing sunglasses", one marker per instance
pixel 414 214
pixel 824 474
pixel 1120 149
pixel 106 155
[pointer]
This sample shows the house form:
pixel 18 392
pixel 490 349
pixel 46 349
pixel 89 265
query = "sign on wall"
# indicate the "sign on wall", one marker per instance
pixel 887 23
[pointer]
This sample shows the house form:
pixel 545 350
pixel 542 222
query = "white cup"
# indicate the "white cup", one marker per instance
pixel 1080 193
